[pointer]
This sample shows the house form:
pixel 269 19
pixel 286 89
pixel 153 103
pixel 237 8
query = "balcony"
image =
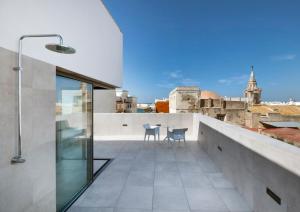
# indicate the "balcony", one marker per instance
pixel 221 168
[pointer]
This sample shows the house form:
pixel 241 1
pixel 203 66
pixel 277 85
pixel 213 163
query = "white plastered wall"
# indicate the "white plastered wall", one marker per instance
pixel 85 25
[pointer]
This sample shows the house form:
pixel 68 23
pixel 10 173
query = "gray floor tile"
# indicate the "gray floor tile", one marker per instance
pixel 136 197
pixel 100 196
pixel 185 156
pixel 208 166
pixel 169 198
pixel 140 178
pixel 141 165
pixel 120 165
pixel 194 180
pixel 189 167
pixel 171 210
pixel 182 175
pixel 131 210
pixel 167 179
pixel 233 200
pixel 112 178
pixel 204 199
pixel 166 166
pixel 90 209
pixel 219 181
pixel 147 156
pixel 126 156
pixel 214 211
pixel 201 156
pixel 130 149
pixel 165 156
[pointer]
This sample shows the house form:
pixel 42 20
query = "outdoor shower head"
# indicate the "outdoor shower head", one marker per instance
pixel 60 48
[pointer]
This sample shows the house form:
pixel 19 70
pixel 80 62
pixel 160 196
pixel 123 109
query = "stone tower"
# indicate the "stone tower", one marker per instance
pixel 252 92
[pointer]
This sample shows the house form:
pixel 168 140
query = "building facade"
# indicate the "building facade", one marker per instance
pixel 162 105
pixel 125 103
pixel 146 108
pixel 230 109
pixel 184 99
pixel 193 100
pixel 56 152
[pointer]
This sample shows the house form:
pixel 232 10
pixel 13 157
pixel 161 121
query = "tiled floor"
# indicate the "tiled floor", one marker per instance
pixel 158 177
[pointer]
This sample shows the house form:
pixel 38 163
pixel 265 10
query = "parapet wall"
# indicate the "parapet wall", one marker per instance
pixel 264 170
pixel 130 125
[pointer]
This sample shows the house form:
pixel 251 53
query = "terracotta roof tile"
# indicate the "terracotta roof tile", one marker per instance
pixel 282 109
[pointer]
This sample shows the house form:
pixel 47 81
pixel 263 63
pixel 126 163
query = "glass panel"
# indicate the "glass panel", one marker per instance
pixel 73 138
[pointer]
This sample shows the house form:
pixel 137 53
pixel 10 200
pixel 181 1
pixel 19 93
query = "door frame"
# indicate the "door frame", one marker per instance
pixel 90 148
pixel 96 84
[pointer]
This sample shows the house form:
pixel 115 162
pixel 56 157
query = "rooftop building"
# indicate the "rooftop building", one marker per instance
pixel 184 99
pixel 193 100
pixel 125 103
pixel 162 105
pixel 209 95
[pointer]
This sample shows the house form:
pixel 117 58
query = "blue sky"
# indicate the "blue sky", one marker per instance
pixel 210 44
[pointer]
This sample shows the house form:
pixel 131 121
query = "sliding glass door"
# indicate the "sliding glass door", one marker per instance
pixel 74 127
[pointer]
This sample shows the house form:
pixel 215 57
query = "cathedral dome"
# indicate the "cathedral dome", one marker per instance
pixel 209 95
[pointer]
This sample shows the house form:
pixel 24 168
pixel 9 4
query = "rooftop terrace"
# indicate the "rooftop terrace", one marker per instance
pixel 221 168
pixel 159 176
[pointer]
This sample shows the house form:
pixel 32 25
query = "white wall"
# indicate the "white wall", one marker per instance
pixel 104 101
pixel 85 25
pixel 172 102
pixel 110 125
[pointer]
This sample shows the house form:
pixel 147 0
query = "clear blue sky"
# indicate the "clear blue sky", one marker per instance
pixel 210 44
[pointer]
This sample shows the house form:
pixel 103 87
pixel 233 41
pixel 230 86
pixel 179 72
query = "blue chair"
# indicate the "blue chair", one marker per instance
pixel 176 134
pixel 151 130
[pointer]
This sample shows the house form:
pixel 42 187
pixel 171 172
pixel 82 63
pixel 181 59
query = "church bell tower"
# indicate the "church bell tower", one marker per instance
pixel 252 92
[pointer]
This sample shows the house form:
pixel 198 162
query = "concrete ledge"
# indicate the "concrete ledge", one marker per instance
pixel 284 155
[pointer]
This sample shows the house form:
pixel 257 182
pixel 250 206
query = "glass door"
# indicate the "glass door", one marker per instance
pixel 74 127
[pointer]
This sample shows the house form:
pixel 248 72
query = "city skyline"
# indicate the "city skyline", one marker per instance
pixel 209 44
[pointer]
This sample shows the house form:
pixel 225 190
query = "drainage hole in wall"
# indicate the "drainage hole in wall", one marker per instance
pixel 274 196
pixel 220 149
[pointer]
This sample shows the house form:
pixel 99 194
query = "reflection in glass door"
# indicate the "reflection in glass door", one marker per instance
pixel 73 139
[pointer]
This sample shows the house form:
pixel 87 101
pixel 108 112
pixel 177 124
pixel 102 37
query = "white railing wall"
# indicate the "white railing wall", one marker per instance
pixel 265 171
pixel 130 125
